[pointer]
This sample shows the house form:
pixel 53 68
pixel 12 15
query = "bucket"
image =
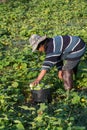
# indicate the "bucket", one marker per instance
pixel 42 95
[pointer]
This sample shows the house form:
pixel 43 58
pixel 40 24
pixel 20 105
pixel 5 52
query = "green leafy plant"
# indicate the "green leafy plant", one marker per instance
pixel 19 66
pixel 40 86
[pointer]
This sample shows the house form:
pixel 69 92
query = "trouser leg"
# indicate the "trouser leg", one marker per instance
pixel 68 79
pixel 75 69
pixel 69 68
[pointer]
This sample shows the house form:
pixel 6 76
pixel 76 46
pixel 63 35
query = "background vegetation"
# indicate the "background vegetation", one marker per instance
pixel 20 19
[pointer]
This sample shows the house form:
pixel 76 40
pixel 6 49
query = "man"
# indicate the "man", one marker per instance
pixel 63 51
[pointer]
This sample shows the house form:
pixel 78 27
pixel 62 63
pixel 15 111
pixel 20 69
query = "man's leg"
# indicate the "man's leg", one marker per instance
pixel 68 79
pixel 69 68
pixel 75 70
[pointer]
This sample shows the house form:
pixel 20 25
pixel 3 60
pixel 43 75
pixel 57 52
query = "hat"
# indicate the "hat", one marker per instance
pixel 35 40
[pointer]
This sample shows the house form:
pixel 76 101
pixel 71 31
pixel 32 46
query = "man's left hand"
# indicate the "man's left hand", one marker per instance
pixel 60 74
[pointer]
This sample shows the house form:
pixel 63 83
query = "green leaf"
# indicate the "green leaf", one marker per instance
pixel 19 125
pixel 1 66
pixel 15 84
pixel 27 108
pixel 75 99
pixel 42 107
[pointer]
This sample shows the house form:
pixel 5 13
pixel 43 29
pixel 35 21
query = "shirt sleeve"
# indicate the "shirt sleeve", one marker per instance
pixel 59 65
pixel 51 60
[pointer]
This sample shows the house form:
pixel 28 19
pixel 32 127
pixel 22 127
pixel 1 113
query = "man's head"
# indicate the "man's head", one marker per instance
pixel 37 42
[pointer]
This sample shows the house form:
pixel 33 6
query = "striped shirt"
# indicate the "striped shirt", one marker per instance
pixel 62 48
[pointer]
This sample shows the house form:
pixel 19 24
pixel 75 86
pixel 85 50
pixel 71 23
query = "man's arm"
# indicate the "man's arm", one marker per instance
pixel 59 67
pixel 39 78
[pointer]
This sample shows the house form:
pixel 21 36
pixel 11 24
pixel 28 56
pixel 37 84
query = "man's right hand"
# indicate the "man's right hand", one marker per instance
pixel 36 82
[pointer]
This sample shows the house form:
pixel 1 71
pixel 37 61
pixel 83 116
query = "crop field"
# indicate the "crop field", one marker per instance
pixel 19 19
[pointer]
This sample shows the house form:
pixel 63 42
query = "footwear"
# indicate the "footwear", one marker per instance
pixel 68 79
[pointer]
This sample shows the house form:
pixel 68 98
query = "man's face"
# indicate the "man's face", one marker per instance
pixel 41 48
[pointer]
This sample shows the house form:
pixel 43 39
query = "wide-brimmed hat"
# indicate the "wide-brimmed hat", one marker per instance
pixel 35 40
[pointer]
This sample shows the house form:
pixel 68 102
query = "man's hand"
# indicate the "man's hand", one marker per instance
pixel 36 82
pixel 39 78
pixel 60 74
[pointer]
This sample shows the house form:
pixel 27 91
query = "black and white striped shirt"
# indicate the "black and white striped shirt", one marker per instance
pixel 62 48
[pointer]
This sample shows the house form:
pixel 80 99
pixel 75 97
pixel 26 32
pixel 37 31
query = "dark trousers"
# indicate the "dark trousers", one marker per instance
pixel 68 77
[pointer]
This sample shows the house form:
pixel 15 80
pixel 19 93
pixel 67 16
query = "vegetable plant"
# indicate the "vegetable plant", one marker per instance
pixel 19 66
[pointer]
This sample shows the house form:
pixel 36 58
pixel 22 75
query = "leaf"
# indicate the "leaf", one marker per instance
pixel 76 99
pixel 24 65
pixel 1 66
pixel 42 107
pixel 78 128
pixel 27 108
pixel 3 79
pixel 19 125
pixel 38 119
pixel 15 84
